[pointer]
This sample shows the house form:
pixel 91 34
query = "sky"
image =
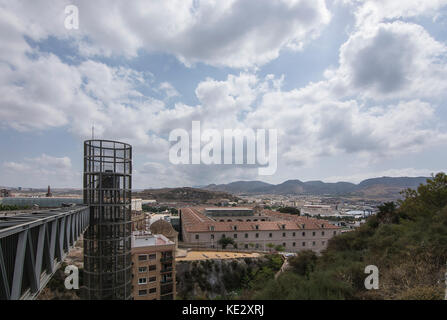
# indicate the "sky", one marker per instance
pixel 355 88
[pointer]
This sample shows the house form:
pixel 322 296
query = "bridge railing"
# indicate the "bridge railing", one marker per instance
pixel 33 246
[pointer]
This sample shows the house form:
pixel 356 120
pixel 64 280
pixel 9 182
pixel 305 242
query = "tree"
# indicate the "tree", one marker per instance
pixel 387 213
pixel 304 262
pixel 270 246
pixel 225 241
pixel 290 210
pixel 279 248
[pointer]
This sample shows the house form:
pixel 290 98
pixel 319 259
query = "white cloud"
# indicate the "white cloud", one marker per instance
pixel 393 60
pixel 43 170
pixel 235 33
pixel 370 12
pixel 381 101
pixel 168 90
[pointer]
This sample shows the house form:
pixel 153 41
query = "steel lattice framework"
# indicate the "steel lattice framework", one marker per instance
pixel 32 247
pixel 107 241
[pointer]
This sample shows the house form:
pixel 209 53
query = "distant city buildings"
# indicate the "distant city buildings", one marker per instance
pixel 5 193
pixel 318 209
pixel 49 194
pixel 137 204
pixel 203 227
pixel 153 267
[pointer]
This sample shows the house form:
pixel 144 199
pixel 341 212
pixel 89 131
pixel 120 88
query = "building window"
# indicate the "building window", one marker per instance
pixel 293 234
pixel 313 234
pixel 304 244
pixel 257 235
pixel 153 256
pixel 335 232
pixel 283 234
pixel 197 237
pixel 293 244
pixel 142 281
pixel 142 257
pixel 235 236
pixel 246 235
pixel 270 235
pixel 212 236
pixel 153 267
pixel 223 235
pixel 246 246
pixel 142 292
pixel 142 269
pixel 234 227
pixel 313 243
pixel 152 279
pixel 322 233
pixel 257 245
pixel 257 227
pixel 284 244
pixel 304 234
pixel 152 290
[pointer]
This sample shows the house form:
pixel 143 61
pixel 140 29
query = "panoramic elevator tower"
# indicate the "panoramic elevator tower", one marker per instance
pixel 107 241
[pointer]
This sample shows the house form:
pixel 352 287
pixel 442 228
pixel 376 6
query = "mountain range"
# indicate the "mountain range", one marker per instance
pixel 384 187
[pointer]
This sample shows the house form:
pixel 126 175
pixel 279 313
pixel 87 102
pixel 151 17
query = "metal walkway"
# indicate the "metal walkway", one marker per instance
pixel 32 247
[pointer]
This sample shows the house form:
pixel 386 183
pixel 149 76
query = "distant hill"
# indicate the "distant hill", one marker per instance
pixel 241 187
pixel 184 195
pixel 388 187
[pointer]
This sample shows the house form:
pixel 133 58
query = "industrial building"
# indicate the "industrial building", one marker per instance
pixel 202 227
pixel 4 193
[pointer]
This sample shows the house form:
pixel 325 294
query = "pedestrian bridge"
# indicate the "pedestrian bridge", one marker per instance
pixel 33 246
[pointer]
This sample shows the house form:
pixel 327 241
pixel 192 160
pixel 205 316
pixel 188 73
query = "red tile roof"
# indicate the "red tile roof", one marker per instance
pixel 193 220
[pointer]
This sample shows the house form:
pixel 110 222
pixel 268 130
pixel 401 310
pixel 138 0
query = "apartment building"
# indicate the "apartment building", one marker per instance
pixel 153 267
pixel 260 231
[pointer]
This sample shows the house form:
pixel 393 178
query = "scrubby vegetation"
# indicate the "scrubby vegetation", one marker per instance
pixel 7 207
pixel 225 279
pixel 407 241
pixel 55 289
pixel 148 208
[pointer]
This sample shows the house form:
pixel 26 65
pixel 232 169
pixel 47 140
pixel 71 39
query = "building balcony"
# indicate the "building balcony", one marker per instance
pixel 166 289
pixel 167 281
pixel 166 259
pixel 166 269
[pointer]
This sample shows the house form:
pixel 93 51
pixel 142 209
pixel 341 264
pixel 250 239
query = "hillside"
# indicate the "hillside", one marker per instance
pixel 184 195
pixel 407 242
pixel 385 187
